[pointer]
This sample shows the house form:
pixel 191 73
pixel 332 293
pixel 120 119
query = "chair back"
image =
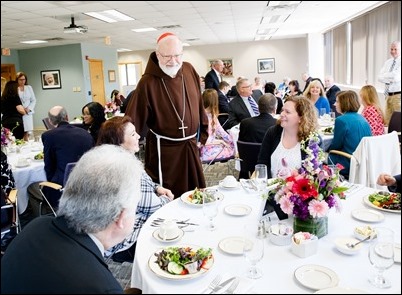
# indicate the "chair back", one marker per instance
pixel 9 216
pixel 48 125
pixel 223 118
pixel 67 171
pixel 248 154
pixel 395 124
pixel 375 155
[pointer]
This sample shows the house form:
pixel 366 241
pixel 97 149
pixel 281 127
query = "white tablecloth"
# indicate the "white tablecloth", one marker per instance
pixel 26 175
pixel 278 264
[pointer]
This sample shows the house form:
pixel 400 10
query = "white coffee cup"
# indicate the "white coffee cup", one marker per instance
pixel 168 230
pixel 229 181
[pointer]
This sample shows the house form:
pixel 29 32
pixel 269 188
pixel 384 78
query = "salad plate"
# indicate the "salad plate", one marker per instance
pixel 237 209
pixel 232 245
pixel 206 264
pixel 382 198
pixel 367 215
pixel 23 165
pixel 340 290
pixel 158 237
pixel 188 199
pixel 316 277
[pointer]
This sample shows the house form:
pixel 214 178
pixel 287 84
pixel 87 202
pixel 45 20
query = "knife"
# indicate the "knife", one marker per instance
pixel 221 285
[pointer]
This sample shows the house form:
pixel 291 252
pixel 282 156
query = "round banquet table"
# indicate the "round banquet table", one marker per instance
pixel 278 264
pixel 24 176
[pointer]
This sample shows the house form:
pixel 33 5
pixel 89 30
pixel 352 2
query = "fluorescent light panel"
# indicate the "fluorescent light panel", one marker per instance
pixel 33 42
pixel 123 50
pixel 142 30
pixel 110 16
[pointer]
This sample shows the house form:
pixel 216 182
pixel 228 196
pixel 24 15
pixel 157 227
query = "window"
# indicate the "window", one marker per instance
pixel 130 74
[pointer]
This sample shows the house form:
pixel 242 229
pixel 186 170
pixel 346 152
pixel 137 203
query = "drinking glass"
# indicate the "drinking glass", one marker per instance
pixel 261 176
pixel 253 249
pixel 323 111
pixel 381 255
pixel 333 116
pixel 31 137
pixel 210 205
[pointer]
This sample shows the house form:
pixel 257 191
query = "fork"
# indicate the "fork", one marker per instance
pixel 215 282
pixel 232 287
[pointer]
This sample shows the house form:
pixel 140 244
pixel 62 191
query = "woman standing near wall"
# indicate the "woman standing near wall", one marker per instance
pixel 28 100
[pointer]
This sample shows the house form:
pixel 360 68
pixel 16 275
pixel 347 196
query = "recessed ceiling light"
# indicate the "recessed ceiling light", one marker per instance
pixel 110 16
pixel 124 50
pixel 33 42
pixel 143 30
pixel 186 44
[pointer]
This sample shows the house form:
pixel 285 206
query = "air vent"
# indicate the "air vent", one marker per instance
pixel 192 39
pixel 55 39
pixel 169 27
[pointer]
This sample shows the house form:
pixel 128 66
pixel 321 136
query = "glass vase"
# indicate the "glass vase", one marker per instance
pixel 315 226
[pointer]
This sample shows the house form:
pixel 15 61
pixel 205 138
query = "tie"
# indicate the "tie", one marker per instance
pixel 387 84
pixel 253 106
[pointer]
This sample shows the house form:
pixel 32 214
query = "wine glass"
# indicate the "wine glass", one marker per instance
pixel 381 255
pixel 253 249
pixel 31 137
pixel 261 176
pixel 210 205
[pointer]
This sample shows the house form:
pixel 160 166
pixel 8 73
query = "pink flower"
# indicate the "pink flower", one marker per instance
pixel 318 208
pixel 286 205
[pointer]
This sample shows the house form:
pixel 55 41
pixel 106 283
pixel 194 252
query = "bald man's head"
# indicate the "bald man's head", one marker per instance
pixel 57 114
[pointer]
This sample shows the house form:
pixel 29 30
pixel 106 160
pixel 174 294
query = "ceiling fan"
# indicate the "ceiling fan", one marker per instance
pixel 73 28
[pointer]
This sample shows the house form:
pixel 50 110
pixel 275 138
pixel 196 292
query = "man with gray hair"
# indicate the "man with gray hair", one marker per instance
pixel 64 255
pixel 214 76
pixel 62 145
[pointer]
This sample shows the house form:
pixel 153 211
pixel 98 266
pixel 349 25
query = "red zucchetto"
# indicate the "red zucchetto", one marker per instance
pixel 164 35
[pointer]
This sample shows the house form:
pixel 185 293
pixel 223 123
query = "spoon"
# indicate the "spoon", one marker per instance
pixel 350 245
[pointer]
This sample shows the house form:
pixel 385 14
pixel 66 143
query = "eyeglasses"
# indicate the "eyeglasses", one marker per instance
pixel 169 57
pixel 249 86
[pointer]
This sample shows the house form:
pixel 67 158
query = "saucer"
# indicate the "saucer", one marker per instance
pixel 156 235
pixel 222 185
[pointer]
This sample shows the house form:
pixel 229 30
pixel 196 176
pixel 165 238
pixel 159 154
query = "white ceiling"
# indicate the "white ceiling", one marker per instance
pixel 200 22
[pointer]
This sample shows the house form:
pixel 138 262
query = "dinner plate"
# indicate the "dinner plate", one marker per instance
pixel 368 215
pixel 341 290
pixel 238 209
pixel 367 202
pixel 232 245
pixel 397 253
pixel 166 275
pixel 22 165
pixel 157 236
pixel 184 198
pixel 316 277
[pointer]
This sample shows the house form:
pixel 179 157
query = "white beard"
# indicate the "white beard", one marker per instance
pixel 172 70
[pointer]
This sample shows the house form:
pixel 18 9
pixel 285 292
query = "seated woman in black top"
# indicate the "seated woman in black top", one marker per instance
pixel 93 115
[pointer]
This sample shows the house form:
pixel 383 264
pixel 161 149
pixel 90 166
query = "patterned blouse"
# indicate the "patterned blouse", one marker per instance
pixel 375 120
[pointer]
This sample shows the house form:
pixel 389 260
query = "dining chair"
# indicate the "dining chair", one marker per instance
pixel 223 119
pixel 395 124
pixel 9 210
pixel 48 125
pixel 248 156
pixel 373 155
pixel 216 159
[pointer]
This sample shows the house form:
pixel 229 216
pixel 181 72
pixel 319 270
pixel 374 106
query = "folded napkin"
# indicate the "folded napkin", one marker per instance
pixel 245 285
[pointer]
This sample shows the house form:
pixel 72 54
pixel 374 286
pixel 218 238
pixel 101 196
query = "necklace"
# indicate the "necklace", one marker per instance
pixel 181 119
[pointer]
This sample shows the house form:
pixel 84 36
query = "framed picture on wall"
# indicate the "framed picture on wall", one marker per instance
pixel 50 79
pixel 266 65
pixel 227 63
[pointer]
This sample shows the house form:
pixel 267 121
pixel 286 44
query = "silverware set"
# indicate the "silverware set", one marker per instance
pixel 181 223
pixel 216 285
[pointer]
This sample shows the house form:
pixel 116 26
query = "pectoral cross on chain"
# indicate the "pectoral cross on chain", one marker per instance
pixel 182 128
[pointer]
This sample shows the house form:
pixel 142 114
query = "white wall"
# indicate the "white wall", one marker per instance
pixel 291 58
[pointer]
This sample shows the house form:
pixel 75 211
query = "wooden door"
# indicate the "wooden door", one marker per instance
pixel 97 81
pixel 8 71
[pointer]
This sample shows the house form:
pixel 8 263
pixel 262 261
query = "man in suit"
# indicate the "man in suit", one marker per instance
pixel 64 255
pixel 223 103
pixel 242 106
pixel 213 77
pixel 306 78
pixel 331 91
pixel 62 145
pixel 253 129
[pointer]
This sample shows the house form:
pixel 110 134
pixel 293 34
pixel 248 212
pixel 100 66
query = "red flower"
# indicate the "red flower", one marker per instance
pixel 304 189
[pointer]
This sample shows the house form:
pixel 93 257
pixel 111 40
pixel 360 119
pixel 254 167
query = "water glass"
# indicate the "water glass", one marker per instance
pixel 333 116
pixel 323 111
pixel 210 206
pixel 253 249
pixel 381 255
pixel 261 177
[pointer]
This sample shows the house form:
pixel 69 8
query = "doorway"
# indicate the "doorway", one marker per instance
pixel 8 71
pixel 97 81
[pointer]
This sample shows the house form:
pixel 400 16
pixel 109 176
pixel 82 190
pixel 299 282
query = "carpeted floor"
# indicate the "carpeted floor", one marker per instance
pixel 213 173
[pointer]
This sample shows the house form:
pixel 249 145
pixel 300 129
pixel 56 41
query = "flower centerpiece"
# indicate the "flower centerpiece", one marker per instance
pixel 110 109
pixel 7 136
pixel 309 192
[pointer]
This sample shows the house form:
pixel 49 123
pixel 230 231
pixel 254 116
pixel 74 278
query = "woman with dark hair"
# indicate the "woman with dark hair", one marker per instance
pixel 117 98
pixel 120 131
pixel 294 90
pixel 12 110
pixel 270 87
pixel 349 128
pixel 93 115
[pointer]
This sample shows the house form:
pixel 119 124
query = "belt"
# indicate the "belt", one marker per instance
pixel 158 145
pixel 393 93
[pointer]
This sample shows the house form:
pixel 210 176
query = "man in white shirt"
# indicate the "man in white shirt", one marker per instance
pixel 213 77
pixel 390 74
